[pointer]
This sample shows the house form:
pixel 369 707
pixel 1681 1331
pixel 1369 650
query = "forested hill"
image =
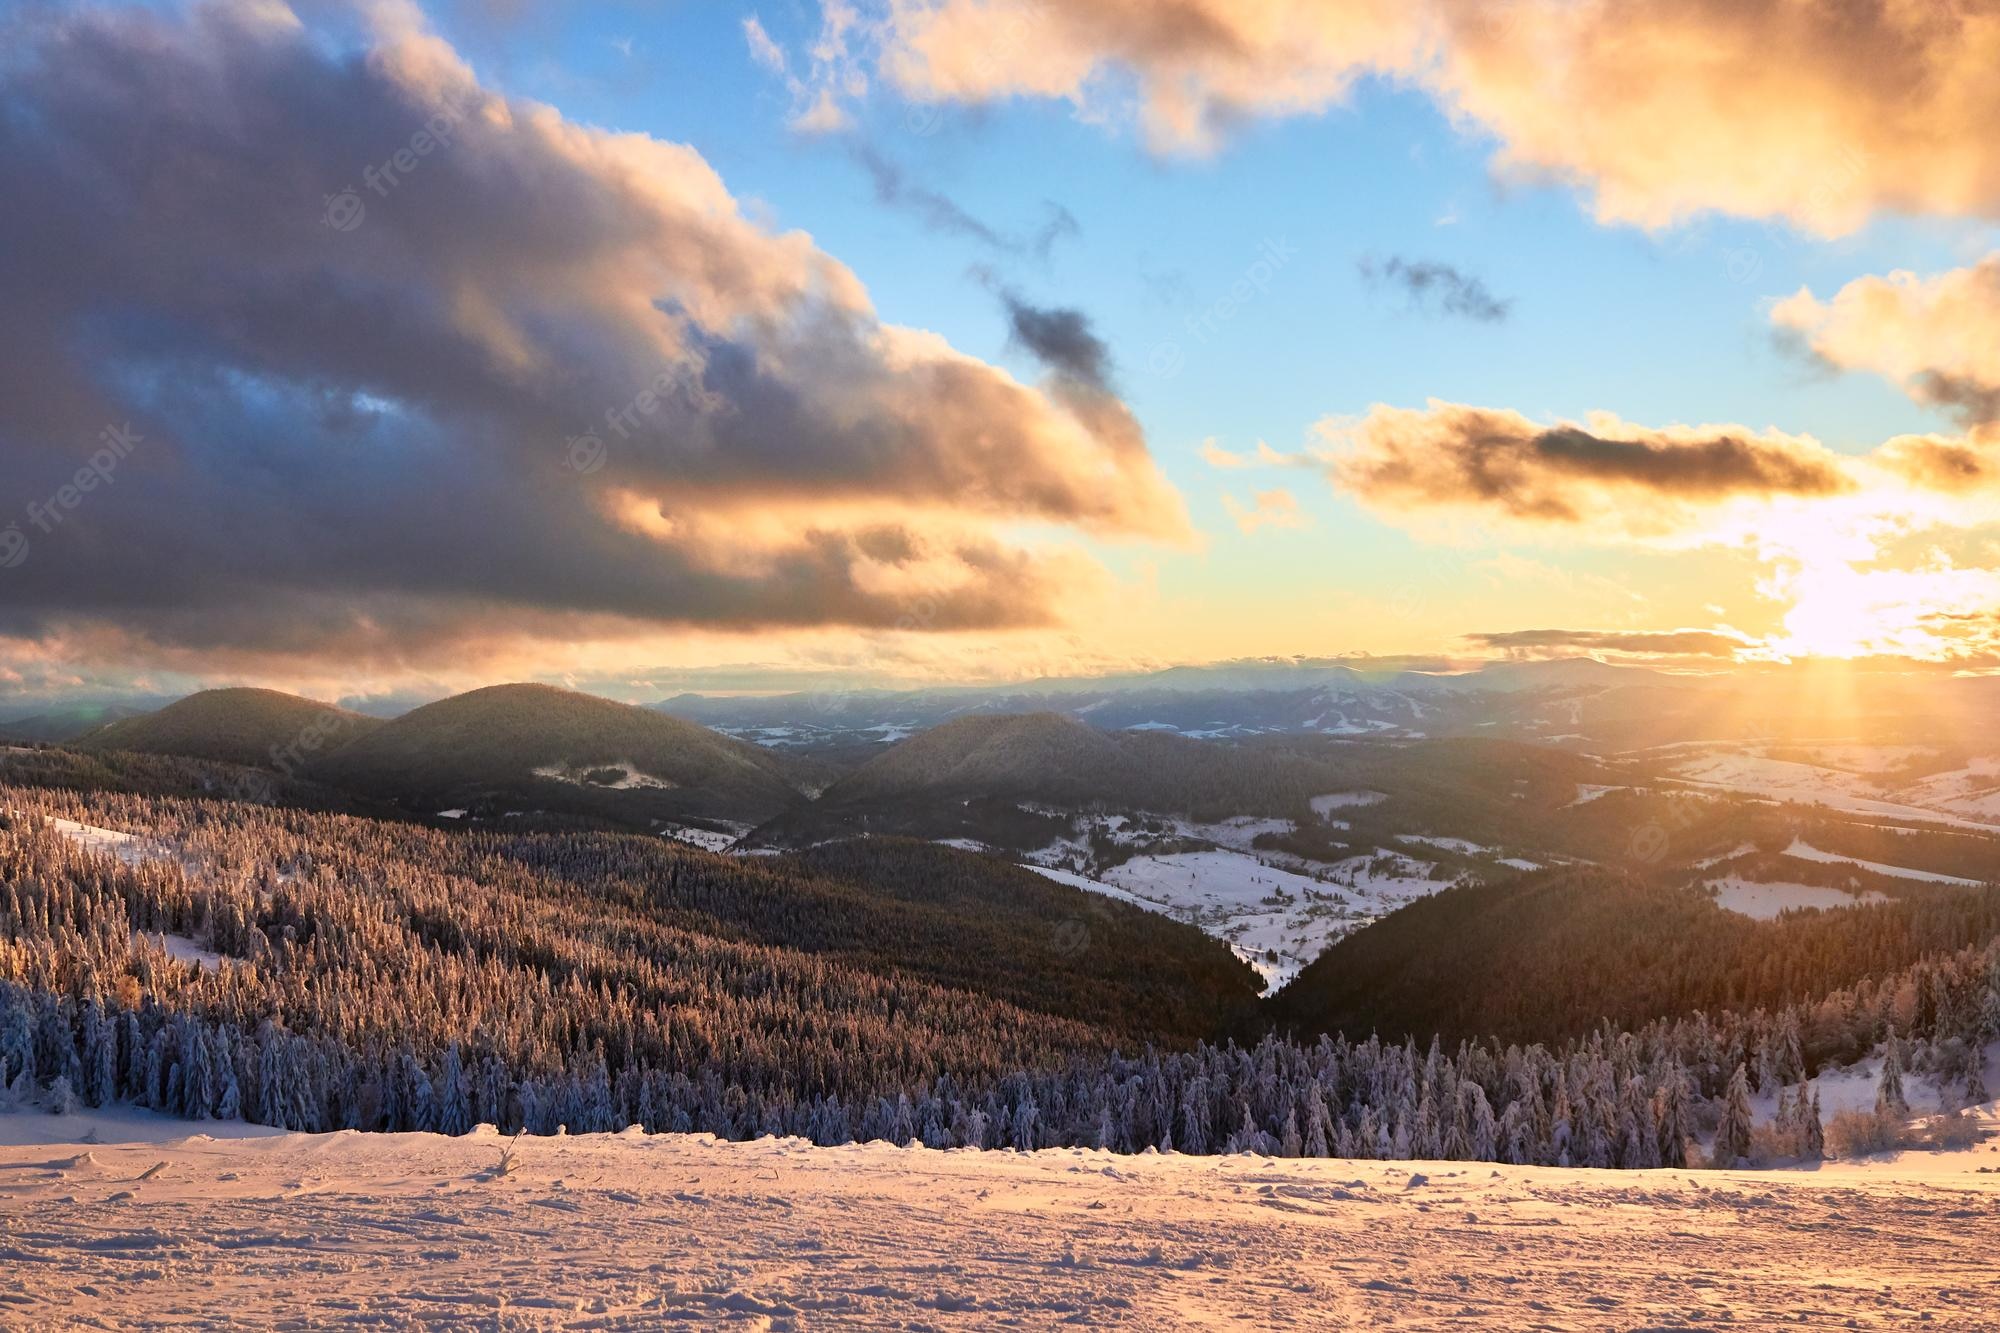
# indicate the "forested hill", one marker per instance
pixel 538 747
pixel 1556 954
pixel 265 728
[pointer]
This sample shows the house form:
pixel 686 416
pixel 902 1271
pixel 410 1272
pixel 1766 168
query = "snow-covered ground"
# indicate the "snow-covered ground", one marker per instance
pixel 1805 851
pixel 1276 909
pixel 708 839
pixel 1767 900
pixel 1344 800
pixel 627 1232
pixel 1966 798
pixel 630 776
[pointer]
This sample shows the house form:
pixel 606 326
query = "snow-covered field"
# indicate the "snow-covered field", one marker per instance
pixel 1966 798
pixel 625 1231
pixel 1805 851
pixel 1767 900
pixel 1278 910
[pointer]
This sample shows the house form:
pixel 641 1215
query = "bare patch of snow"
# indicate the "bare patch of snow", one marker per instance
pixel 1767 901
pixel 582 775
pixel 1342 800
pixel 1804 851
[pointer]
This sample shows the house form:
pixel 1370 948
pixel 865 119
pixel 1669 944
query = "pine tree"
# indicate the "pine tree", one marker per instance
pixel 453 1091
pixel 1812 1142
pixel 1732 1137
pixel 1889 1098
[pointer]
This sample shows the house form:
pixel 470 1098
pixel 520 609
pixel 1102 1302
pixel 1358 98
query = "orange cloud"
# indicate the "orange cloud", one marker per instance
pixel 1277 508
pixel 1606 476
pixel 1659 108
pixel 1937 337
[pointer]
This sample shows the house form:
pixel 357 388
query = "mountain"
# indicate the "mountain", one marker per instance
pixel 65 723
pixel 1030 753
pixel 994 779
pixel 263 728
pixel 1230 700
pixel 536 746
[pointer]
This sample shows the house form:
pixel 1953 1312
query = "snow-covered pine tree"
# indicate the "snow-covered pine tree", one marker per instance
pixel 1889 1096
pixel 1812 1138
pixel 1732 1136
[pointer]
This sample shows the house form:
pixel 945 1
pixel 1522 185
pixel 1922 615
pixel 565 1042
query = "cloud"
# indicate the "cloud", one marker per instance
pixel 1434 285
pixel 940 213
pixel 1062 340
pixel 1659 109
pixel 832 77
pixel 1225 459
pixel 412 363
pixel 1664 643
pixel 1277 508
pixel 767 53
pixel 1607 475
pixel 1936 337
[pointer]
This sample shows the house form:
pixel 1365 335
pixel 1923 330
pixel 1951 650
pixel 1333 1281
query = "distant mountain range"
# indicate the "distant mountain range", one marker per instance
pixel 64 722
pixel 1575 702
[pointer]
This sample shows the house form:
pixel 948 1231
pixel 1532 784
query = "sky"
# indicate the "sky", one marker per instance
pixel 384 349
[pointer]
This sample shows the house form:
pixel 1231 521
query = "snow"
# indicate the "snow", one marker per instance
pixel 127 847
pixel 1342 800
pixel 630 776
pixel 1277 919
pixel 451 814
pixel 626 1231
pixel 1940 799
pixel 1765 901
pixel 1586 792
pixel 1804 851
pixel 708 839
pixel 183 949
pixel 1466 847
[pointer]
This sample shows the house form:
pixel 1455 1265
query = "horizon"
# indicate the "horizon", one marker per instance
pixel 1372 670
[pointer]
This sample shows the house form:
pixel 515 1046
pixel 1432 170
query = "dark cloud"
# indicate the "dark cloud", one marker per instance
pixel 942 214
pixel 408 364
pixel 1062 340
pixel 1632 478
pixel 1665 643
pixel 1974 401
pixel 1438 287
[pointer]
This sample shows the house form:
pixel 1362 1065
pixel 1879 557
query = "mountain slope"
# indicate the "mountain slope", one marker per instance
pixel 65 722
pixel 557 749
pixel 1549 956
pixel 1028 752
pixel 263 728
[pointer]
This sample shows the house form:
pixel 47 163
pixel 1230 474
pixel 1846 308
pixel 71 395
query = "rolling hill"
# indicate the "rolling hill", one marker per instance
pixel 1551 956
pixel 536 746
pixel 65 722
pixel 263 728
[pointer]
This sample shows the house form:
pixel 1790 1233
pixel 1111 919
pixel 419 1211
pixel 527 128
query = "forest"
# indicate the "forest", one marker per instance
pixel 316 970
